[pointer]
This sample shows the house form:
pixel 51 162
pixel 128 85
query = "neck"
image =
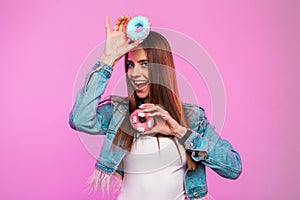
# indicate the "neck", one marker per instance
pixel 145 100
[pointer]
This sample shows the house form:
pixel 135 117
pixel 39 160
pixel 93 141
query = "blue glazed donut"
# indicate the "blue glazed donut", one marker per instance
pixel 138 28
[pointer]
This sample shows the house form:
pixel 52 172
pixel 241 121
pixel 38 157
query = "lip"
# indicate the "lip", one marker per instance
pixel 139 87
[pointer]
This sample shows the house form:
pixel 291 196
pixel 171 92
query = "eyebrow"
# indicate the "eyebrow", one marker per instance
pixel 140 61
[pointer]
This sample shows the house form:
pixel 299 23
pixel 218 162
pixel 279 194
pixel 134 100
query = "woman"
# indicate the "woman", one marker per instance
pixel 168 161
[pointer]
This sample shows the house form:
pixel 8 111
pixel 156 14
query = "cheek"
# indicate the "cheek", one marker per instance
pixel 129 72
pixel 146 73
pixel 148 88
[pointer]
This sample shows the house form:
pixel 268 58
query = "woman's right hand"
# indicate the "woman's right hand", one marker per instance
pixel 116 44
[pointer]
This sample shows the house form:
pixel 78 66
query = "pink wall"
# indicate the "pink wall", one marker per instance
pixel 255 45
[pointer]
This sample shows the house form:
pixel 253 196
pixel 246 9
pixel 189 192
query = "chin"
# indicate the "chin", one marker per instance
pixel 141 95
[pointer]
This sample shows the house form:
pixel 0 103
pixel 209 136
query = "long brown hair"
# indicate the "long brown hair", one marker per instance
pixel 163 91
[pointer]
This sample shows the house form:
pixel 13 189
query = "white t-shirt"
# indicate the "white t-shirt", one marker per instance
pixel 152 173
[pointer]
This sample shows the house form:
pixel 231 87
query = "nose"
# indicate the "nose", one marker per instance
pixel 136 71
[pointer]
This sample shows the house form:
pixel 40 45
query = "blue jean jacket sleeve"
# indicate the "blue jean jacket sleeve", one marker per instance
pixel 208 147
pixel 86 115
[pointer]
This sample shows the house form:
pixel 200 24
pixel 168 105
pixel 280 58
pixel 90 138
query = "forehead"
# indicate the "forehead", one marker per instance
pixel 137 54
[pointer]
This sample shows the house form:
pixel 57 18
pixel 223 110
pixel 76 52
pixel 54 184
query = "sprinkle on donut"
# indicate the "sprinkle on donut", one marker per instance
pixel 140 121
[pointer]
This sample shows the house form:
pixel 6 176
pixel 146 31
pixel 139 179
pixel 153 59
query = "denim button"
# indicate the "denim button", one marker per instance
pixel 195 194
pixel 107 74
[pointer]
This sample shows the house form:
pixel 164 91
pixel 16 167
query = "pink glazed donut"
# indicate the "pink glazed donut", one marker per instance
pixel 140 121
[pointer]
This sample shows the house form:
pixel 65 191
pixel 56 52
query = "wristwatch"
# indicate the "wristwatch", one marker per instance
pixel 186 136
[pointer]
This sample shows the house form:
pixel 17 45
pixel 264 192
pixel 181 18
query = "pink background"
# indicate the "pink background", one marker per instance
pixel 255 45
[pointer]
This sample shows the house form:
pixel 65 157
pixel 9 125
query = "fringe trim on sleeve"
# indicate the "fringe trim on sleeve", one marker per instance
pixel 206 197
pixel 107 183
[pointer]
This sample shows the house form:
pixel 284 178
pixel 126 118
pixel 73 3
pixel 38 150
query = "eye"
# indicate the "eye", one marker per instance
pixel 144 64
pixel 130 65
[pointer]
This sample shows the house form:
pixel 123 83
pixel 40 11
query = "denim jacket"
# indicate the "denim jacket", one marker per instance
pixel 205 145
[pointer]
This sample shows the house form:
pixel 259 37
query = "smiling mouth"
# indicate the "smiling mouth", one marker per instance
pixel 140 84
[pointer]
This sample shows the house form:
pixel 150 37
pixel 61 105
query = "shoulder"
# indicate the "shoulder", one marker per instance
pixel 194 113
pixel 189 108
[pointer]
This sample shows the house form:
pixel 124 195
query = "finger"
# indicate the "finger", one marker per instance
pixel 162 109
pixel 107 26
pixel 146 108
pixel 162 128
pixel 150 133
pixel 122 25
pixel 149 107
pixel 164 116
pixel 117 24
pixel 146 105
pixel 125 24
pixel 157 108
pixel 133 45
pixel 156 114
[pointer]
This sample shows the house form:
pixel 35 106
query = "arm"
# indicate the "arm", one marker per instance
pixel 208 148
pixel 204 143
pixel 86 116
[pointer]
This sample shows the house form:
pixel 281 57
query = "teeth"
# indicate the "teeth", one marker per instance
pixel 140 82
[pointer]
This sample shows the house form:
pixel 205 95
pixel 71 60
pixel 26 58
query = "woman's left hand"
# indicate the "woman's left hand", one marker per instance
pixel 164 123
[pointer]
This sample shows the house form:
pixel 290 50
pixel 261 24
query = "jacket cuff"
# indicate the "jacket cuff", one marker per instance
pixel 104 68
pixel 103 168
pixel 201 144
